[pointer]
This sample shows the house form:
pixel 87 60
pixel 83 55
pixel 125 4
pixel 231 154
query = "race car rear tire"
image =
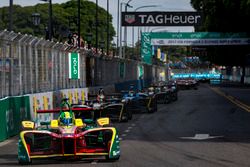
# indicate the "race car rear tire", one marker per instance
pixel 167 99
pixel 175 97
pixel 153 109
pixel 130 116
pixel 125 119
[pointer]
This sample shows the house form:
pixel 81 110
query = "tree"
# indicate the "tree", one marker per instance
pixel 64 20
pixel 225 16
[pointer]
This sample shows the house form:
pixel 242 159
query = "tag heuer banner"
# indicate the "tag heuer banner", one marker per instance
pixel 74 66
pixel 161 18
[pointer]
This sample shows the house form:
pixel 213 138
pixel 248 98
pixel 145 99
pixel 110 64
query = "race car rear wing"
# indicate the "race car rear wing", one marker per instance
pixel 107 96
pixel 57 110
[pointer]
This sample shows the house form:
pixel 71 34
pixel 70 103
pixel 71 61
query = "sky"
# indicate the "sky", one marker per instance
pixel 162 5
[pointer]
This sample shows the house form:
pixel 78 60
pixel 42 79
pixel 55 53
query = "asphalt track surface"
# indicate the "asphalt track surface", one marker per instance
pixel 202 128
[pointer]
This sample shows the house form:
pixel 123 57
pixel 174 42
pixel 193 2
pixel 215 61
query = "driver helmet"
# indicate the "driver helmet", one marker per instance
pixel 66 118
pixel 158 89
pixel 151 90
pixel 131 93
pixel 100 96
pixel 100 91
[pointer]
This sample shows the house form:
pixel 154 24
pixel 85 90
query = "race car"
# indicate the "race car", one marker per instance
pixel 187 84
pixel 173 87
pixel 140 102
pixel 165 92
pixel 110 106
pixel 115 110
pixel 161 93
pixel 67 137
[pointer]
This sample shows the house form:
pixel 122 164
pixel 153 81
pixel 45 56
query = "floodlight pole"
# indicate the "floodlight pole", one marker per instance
pixel 50 20
pixel 11 15
pixel 118 23
pixel 107 27
pixel 96 22
pixel 120 26
pixel 125 30
pixel 79 23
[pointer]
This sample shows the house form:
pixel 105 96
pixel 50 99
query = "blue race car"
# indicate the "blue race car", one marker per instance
pixel 140 102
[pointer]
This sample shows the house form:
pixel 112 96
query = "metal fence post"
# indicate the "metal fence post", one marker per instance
pixel 20 64
pixel 36 65
pixel 24 58
pixel 53 66
pixel 48 56
pixel 3 84
pixel 60 66
pixel 31 61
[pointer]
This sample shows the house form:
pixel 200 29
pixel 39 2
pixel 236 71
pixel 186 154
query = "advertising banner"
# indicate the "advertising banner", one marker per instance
pixel 74 65
pixel 188 39
pixel 140 74
pixel 122 69
pixel 146 48
pixel 51 100
pixel 12 112
pixel 3 125
pixel 199 42
pixel 41 101
pixel 198 39
pixel 140 69
pixel 161 18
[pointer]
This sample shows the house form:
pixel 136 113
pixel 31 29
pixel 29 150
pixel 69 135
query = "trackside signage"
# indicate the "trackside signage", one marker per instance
pixel 74 65
pixel 161 18
pixel 149 39
pixel 199 39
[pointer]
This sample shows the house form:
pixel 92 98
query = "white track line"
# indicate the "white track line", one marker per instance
pixel 127 131
pixel 123 135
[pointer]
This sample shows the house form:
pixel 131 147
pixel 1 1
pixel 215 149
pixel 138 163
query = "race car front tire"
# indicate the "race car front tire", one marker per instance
pixel 130 116
pixel 112 159
pixel 125 118
pixel 25 162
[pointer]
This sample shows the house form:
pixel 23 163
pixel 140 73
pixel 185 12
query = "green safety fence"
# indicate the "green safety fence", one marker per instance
pixel 12 111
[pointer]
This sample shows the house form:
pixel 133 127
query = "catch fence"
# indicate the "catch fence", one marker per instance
pixel 31 65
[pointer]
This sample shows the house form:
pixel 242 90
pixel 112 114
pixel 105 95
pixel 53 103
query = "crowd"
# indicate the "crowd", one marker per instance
pixel 73 41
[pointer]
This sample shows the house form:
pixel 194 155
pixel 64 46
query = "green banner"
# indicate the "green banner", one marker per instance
pixel 3 125
pixel 188 39
pixel 74 65
pixel 13 110
pixel 122 69
pixel 146 48
pixel 196 35
pixel 140 71
pixel 198 39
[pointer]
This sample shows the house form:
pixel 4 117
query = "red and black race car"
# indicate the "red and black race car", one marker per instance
pixel 68 137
